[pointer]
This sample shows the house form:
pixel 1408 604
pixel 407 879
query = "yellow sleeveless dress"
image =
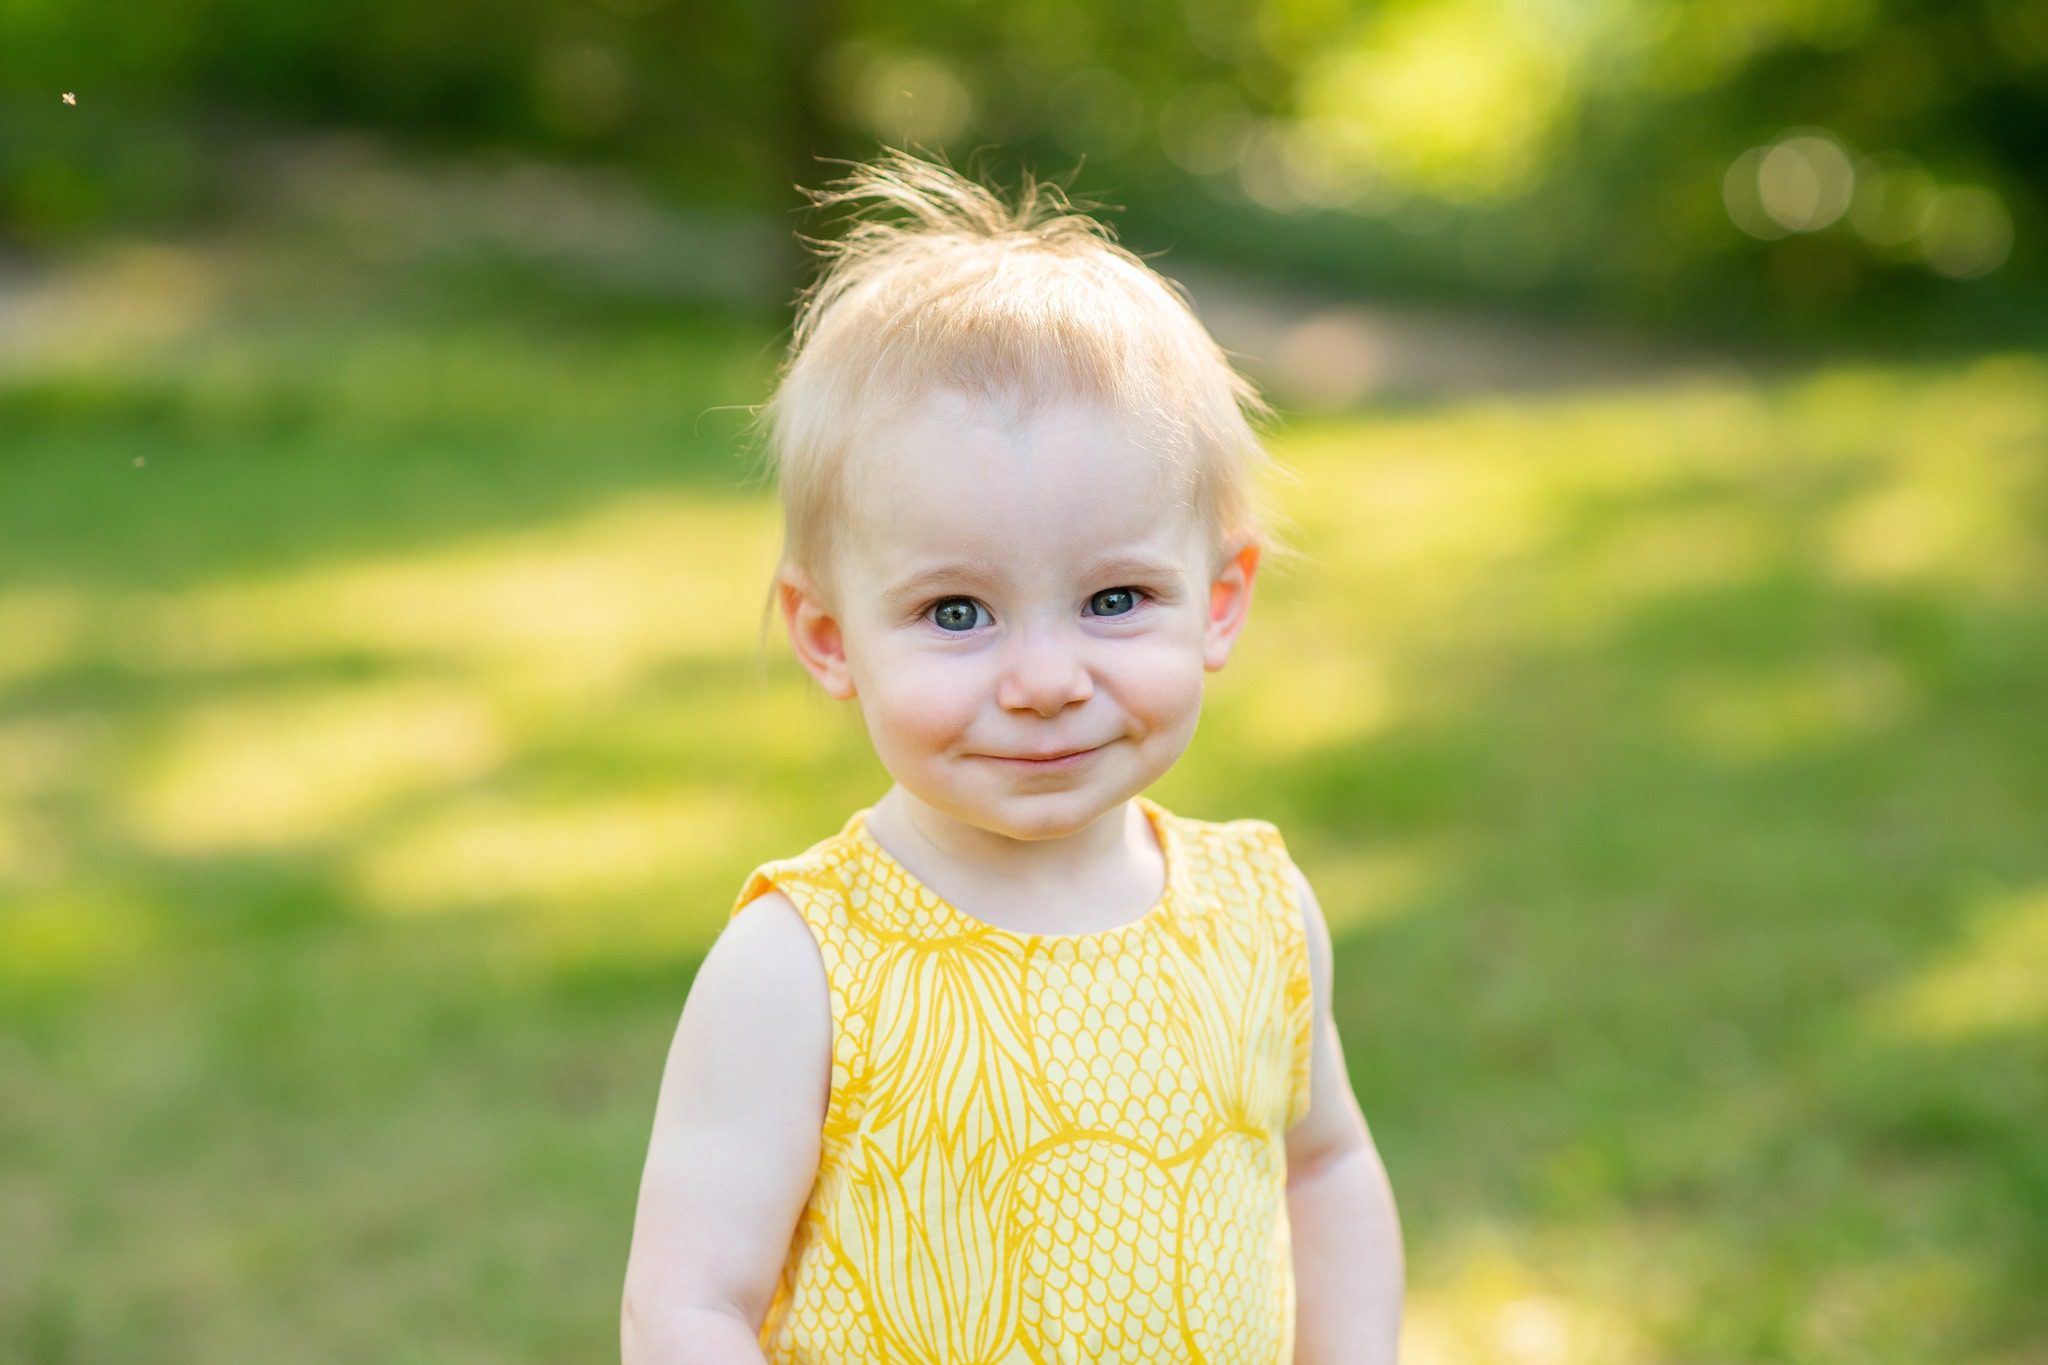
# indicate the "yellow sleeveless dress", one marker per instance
pixel 1051 1148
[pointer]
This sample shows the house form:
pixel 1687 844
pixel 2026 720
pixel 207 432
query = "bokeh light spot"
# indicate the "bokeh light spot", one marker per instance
pixel 1805 182
pixel 1967 232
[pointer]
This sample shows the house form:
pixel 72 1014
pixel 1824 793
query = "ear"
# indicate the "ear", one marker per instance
pixel 814 633
pixel 1230 605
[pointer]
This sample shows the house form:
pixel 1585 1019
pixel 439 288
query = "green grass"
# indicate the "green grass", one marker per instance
pixel 379 755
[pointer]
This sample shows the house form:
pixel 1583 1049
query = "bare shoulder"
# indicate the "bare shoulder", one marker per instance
pixel 767 937
pixel 737 1126
pixel 760 995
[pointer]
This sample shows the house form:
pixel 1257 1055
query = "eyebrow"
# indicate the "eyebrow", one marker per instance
pixel 981 571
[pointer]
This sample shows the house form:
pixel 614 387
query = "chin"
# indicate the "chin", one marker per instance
pixel 1012 814
pixel 1051 814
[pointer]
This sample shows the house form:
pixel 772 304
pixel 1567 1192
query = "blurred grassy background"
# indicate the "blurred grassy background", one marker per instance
pixel 382 736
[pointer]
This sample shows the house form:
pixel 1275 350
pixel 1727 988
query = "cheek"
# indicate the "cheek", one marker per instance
pixel 1160 680
pixel 919 698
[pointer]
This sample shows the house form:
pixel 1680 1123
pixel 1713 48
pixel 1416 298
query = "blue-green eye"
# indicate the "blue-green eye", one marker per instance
pixel 1118 593
pixel 947 614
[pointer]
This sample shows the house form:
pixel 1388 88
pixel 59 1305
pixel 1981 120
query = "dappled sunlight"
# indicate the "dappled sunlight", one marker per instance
pixel 283 769
pixel 490 850
pixel 1487 1299
pixel 771 721
pixel 1399 526
pixel 1607 506
pixel 1942 529
pixel 1994 981
pixel 580 607
pixel 1427 516
pixel 1612 1292
pixel 1714 625
pixel 1587 715
pixel 40 629
pixel 1318 695
pixel 41 751
pixel 20 856
pixel 71 935
pixel 571 609
pixel 1365 888
pixel 1915 1297
pixel 469 648
pixel 1406 494
pixel 1829 702
pixel 1653 554
pixel 45 756
pixel 1956 503
pixel 1659 707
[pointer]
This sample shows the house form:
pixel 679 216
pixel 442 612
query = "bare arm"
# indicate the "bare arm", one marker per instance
pixel 1349 1270
pixel 734 1149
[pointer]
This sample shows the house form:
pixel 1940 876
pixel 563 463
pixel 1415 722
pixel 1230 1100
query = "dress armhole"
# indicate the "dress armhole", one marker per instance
pixel 1298 996
pixel 760 881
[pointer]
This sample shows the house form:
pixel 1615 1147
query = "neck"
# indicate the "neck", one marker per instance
pixel 1101 853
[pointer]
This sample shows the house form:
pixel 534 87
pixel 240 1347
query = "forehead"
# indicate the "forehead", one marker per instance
pixel 955 476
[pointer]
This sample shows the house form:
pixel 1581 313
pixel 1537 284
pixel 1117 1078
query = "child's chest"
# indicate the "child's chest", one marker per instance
pixel 1161 1039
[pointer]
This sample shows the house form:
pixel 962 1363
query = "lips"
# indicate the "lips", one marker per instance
pixel 1047 758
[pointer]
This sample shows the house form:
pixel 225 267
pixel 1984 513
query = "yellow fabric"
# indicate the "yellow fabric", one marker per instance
pixel 1051 1148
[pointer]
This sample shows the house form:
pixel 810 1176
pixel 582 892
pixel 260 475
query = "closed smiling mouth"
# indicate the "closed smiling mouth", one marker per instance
pixel 1044 758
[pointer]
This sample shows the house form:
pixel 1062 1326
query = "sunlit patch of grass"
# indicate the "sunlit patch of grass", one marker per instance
pixel 1952 496
pixel 276 770
pixel 1375 884
pixel 1994 981
pixel 1325 694
pixel 46 758
pixel 1655 552
pixel 1486 1298
pixel 39 750
pixel 1374 504
pixel 1744 717
pixel 585 605
pixel 72 934
pixel 1917 1301
pixel 40 629
pixel 495 850
pixel 1964 536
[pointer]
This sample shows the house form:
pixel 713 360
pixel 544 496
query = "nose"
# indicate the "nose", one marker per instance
pixel 1043 670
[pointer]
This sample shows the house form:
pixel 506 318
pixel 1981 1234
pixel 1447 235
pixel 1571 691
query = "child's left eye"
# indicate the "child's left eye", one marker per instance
pixel 1118 593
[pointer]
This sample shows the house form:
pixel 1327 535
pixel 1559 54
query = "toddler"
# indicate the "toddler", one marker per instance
pixel 1019 1066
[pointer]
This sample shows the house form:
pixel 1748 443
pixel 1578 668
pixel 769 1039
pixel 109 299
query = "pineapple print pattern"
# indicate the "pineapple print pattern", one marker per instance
pixel 1042 1149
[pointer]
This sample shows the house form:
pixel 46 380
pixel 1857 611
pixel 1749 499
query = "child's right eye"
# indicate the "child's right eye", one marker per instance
pixel 950 612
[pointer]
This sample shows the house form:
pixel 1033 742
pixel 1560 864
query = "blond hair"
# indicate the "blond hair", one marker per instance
pixel 1025 303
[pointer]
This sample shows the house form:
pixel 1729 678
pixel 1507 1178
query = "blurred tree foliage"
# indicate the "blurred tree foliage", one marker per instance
pixel 1664 159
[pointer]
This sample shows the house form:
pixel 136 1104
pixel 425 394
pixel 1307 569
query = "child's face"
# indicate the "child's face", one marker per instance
pixel 1038 641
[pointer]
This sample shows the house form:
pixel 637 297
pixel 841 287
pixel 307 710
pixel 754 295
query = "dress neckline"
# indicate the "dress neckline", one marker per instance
pixel 1163 831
